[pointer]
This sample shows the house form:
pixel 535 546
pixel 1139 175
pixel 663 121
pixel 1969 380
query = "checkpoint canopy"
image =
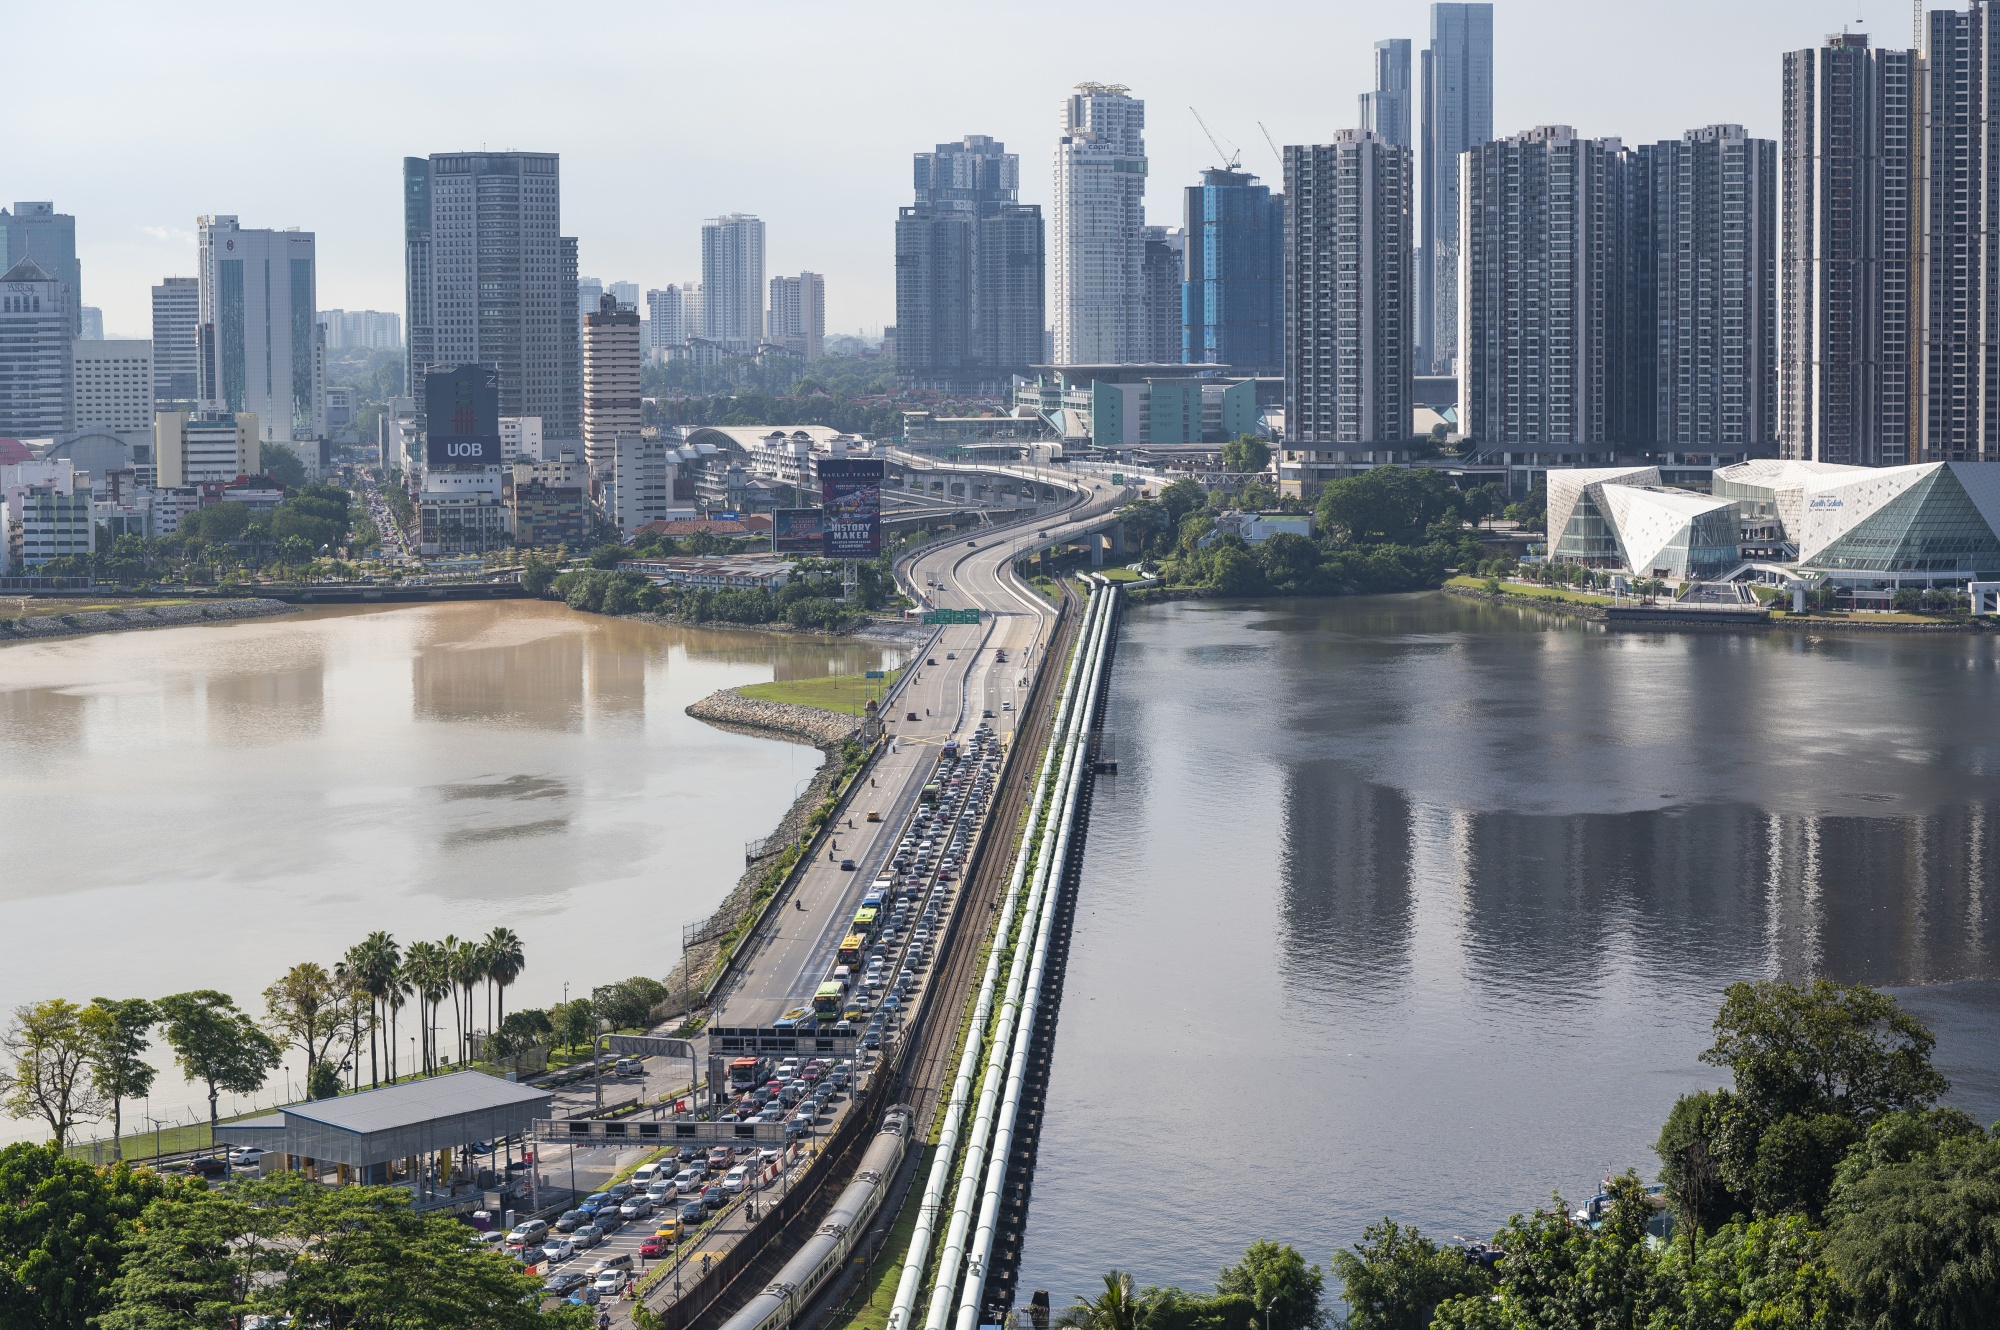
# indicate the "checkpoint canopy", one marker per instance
pixel 377 1126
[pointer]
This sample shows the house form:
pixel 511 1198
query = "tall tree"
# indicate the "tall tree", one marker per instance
pixel 304 1008
pixel 1119 1307
pixel 1395 1278
pixel 1279 1281
pixel 49 1076
pixel 1848 1050
pixel 376 961
pixel 218 1045
pixel 505 959
pixel 118 1068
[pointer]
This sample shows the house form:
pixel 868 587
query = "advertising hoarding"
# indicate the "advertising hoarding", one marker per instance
pixel 851 499
pixel 797 530
pixel 462 417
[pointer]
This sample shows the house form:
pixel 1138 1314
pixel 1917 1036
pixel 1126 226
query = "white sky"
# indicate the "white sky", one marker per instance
pixel 137 117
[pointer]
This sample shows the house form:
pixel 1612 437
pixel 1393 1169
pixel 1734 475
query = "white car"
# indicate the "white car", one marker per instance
pixel 736 1179
pixel 662 1191
pixel 609 1284
pixel 558 1249
pixel 248 1157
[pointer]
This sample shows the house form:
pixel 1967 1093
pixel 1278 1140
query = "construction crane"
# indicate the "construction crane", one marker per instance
pixel 1281 157
pixel 1235 159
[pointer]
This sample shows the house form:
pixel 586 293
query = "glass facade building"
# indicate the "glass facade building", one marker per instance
pixel 1233 301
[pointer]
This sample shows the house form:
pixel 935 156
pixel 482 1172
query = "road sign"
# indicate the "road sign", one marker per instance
pixel 951 616
pixel 1118 477
pixel 597 1131
pixel 648 1046
pixel 875 674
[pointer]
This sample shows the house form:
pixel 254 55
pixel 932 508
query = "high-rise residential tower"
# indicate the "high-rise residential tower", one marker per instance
pixel 1706 288
pixel 665 319
pixel 797 317
pixel 1959 417
pixel 1233 303
pixel 37 231
pixel 177 343
pixel 1386 110
pixel 1348 272
pixel 732 281
pixel 1546 333
pixel 1457 98
pixel 492 281
pixel 37 392
pixel 1099 224
pixel 612 409
pixel 1162 275
pixel 969 270
pixel 1848 362
pixel 260 343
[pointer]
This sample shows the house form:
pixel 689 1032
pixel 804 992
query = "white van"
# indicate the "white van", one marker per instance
pixel 643 1177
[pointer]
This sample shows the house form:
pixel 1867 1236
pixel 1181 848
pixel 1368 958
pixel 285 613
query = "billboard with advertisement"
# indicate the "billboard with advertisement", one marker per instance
pixel 797 530
pixel 851 498
pixel 462 417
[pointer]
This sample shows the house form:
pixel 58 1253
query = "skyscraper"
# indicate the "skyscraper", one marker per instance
pixel 1546 340
pixel 177 343
pixel 664 319
pixel 1708 288
pixel 611 404
pixel 1233 305
pixel 1960 416
pixel 37 231
pixel 732 281
pixel 260 346
pixel 1848 328
pixel 1347 315
pixel 37 392
pixel 491 279
pixel 969 270
pixel 1457 97
pixel 1099 223
pixel 1162 274
pixel 797 317
pixel 1386 110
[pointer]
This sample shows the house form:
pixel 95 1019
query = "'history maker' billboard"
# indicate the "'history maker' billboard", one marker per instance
pixel 850 490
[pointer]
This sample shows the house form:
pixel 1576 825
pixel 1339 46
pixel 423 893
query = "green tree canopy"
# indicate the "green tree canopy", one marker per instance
pixel 1847 1050
pixel 1917 1240
pixel 1395 1278
pixel 118 1067
pixel 48 1051
pixel 1246 452
pixel 63 1227
pixel 1390 505
pixel 218 1045
pixel 1182 497
pixel 1275 1277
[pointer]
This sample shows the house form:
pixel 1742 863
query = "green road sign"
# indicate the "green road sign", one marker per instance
pixel 951 616
pixel 872 674
pixel 1118 477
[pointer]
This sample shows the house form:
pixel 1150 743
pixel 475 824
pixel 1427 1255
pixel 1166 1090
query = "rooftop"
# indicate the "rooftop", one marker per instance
pixel 416 1101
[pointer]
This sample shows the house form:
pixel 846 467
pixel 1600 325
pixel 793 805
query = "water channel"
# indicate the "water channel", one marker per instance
pixel 1416 907
pixel 203 807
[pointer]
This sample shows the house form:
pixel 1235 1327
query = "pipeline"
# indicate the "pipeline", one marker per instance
pixel 1003 1138
pixel 1074 741
pixel 961 1091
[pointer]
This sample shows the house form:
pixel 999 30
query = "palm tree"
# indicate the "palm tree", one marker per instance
pixel 505 959
pixel 347 973
pixel 376 958
pixel 429 976
pixel 466 970
pixel 1119 1307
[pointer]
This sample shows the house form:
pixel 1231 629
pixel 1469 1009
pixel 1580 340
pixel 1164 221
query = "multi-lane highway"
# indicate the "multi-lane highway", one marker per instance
pixel 953 684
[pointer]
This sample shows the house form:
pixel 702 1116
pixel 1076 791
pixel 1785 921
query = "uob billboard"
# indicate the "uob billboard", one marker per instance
pixel 462 414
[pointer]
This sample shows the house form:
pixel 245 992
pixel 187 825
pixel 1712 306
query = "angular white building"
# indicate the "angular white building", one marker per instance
pixel 1925 524
pixel 1623 517
pixel 1097 241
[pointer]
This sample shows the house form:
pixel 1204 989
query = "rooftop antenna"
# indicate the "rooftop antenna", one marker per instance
pixel 1235 159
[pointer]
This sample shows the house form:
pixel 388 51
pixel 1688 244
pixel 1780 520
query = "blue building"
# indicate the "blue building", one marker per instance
pixel 1233 302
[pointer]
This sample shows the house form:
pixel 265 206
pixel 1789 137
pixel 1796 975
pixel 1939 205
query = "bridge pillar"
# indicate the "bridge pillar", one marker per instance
pixel 1118 540
pixel 1096 549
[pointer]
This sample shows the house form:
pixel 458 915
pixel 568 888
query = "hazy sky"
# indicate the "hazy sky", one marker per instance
pixel 137 117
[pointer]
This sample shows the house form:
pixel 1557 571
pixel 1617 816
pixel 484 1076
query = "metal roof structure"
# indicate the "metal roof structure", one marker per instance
pixel 417 1117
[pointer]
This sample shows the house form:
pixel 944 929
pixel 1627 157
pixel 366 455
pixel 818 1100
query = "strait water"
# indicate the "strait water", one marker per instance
pixel 1416 907
pixel 204 807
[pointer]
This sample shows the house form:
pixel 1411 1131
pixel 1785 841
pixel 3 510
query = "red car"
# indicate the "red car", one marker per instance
pixel 655 1247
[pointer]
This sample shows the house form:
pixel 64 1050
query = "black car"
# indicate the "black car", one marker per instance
pixel 560 1285
pixel 571 1221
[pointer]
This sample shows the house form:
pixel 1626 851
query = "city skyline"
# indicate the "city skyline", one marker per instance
pixel 136 192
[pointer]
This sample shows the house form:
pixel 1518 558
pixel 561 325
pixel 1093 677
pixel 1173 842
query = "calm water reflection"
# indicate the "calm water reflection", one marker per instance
pixel 206 806
pixel 1415 907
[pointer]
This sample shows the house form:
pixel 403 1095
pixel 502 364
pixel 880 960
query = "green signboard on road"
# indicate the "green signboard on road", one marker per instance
pixel 951 616
pixel 872 674
pixel 1118 477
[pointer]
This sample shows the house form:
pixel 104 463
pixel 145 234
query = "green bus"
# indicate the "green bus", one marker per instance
pixel 828 1001
pixel 864 922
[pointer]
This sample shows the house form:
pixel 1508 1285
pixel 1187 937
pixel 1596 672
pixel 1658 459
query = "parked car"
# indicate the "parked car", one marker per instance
pixel 527 1233
pixel 248 1157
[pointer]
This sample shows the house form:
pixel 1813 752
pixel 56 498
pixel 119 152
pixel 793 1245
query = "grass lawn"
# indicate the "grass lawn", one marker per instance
pixel 843 692
pixel 1532 591
pixel 21 607
pixel 1864 617
pixel 1118 574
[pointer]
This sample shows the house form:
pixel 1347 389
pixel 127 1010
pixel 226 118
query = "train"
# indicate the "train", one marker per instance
pixel 778 1305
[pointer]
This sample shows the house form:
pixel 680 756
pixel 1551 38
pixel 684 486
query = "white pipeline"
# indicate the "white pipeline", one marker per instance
pixel 1024 1037
pixel 961 1091
pixel 1074 741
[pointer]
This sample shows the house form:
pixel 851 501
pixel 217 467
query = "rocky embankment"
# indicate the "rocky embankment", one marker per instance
pixel 810 724
pixel 40 626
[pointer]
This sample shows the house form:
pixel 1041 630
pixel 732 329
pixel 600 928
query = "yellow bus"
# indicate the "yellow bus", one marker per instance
pixel 851 947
